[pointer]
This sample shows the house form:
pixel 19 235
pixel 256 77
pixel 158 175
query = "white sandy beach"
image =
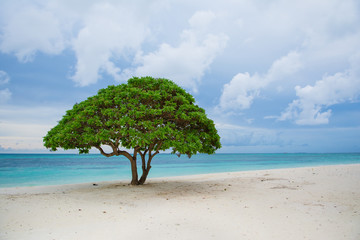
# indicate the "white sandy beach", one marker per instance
pixel 303 203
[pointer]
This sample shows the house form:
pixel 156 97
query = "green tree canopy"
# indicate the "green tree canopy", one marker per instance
pixel 146 115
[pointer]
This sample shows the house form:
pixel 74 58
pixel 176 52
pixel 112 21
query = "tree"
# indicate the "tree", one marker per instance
pixel 145 115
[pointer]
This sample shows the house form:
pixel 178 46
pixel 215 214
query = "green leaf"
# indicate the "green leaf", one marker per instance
pixel 142 112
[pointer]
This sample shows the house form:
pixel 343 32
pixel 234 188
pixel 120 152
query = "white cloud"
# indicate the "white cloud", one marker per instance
pixel 261 140
pixel 241 91
pixel 31 28
pixel 4 77
pixel 22 136
pixel 109 31
pixel 234 135
pixel 243 88
pixel 186 63
pixel 311 106
pixel 31 115
pixel 23 128
pixel 10 129
pixel 202 19
pixel 101 33
pixel 237 138
pixel 283 67
pixel 98 33
pixel 181 40
pixel 21 143
pixel 5 95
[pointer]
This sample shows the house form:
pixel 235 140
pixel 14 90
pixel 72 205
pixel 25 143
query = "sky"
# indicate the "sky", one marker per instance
pixel 275 76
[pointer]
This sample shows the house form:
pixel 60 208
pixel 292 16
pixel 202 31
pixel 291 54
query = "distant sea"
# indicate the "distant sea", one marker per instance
pixel 18 170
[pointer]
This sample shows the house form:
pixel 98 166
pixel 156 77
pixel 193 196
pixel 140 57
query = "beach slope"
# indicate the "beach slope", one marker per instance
pixel 302 203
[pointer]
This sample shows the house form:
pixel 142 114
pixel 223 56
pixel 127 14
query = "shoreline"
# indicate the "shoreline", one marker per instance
pixel 320 202
pixel 19 189
pixel 57 169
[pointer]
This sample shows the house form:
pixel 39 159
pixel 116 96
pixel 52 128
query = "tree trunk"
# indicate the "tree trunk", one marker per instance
pixel 134 180
pixel 144 176
pixel 132 159
pixel 145 167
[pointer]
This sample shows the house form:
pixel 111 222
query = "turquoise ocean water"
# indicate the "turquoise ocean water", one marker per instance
pixel 52 169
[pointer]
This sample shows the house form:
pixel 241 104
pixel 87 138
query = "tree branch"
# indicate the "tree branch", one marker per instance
pixel 143 162
pixel 113 146
pixel 150 149
pixel 159 144
pixel 104 153
pixel 158 147
pixel 124 153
